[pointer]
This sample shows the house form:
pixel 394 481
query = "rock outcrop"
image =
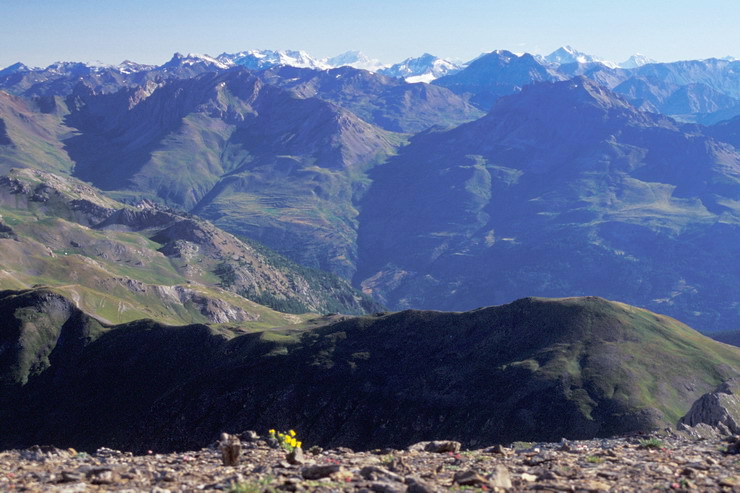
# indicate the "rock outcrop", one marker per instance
pixel 717 411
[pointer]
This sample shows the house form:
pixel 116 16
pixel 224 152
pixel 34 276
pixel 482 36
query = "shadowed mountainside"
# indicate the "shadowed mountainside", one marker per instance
pixel 535 369
pixel 496 74
pixel 562 189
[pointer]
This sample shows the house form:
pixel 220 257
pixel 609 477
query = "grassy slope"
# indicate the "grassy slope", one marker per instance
pixel 35 137
pixel 97 281
pixel 121 276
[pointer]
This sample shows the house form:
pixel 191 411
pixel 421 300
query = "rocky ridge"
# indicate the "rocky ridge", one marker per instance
pixel 147 261
pixel 634 464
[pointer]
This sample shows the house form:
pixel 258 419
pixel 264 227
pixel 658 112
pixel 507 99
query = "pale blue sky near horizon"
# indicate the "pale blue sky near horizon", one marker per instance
pixel 39 32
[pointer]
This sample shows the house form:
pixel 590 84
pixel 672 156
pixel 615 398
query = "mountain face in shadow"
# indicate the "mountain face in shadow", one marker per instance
pixel 535 369
pixel 497 74
pixel 564 188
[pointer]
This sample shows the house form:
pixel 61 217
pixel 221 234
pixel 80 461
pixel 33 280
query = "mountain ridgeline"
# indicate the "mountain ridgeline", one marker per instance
pixel 532 370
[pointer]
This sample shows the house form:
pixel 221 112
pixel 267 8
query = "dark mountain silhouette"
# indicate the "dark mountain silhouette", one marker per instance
pixel 496 74
pixel 727 131
pixel 532 370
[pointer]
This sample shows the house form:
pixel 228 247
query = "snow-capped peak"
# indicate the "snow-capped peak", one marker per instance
pixel 355 59
pixel 129 67
pixel 191 59
pixel 425 68
pixel 264 59
pixel 568 54
pixel 636 60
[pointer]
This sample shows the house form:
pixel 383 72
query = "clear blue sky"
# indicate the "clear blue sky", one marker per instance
pixel 38 32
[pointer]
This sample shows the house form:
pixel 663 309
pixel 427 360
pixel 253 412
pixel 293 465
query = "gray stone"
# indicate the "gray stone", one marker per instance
pixel 418 485
pixel 374 473
pixel 470 478
pixel 70 477
pixel 500 477
pixel 437 446
pixel 319 471
pixel 101 475
pixel 719 409
pixel 295 457
pixel 388 487
pixel 230 447
pixel 249 436
pixel 498 449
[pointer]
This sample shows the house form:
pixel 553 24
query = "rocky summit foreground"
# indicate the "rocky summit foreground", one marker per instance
pixel 622 465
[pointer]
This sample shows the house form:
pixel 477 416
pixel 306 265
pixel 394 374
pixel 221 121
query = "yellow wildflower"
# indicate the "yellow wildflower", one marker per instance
pixel 292 433
pixel 298 444
pixel 272 432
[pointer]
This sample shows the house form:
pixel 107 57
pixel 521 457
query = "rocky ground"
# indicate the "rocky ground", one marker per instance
pixel 629 464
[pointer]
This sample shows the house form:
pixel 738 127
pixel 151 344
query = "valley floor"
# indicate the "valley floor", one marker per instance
pixel 621 464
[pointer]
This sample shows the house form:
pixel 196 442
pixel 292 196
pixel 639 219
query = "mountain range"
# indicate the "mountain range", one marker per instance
pixel 424 195
pixel 704 91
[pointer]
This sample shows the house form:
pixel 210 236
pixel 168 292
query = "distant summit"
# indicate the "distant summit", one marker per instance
pixel 264 59
pixel 355 59
pixel 497 74
pixel 191 59
pixel 425 68
pixel 14 69
pixel 636 60
pixel 568 54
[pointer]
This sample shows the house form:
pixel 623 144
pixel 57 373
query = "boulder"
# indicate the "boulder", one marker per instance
pixel 437 446
pixel 719 410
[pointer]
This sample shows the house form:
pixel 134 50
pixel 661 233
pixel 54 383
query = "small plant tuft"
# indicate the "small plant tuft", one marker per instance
pixel 652 443
pixel 258 486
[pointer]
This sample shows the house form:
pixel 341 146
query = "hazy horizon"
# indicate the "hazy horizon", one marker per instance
pixel 42 32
